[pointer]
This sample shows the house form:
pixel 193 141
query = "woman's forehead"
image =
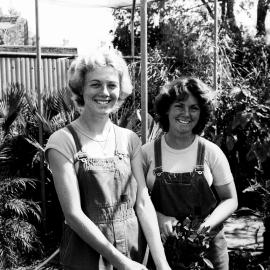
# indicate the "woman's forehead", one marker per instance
pixel 186 96
pixel 103 72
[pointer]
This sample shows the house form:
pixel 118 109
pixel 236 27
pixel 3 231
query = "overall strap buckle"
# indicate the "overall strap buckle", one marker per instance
pixel 157 171
pixel 199 169
pixel 80 155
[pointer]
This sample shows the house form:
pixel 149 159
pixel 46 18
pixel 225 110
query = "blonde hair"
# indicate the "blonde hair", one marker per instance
pixel 82 65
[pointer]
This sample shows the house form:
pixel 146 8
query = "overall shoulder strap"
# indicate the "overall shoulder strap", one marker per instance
pixel 75 137
pixel 200 156
pixel 157 154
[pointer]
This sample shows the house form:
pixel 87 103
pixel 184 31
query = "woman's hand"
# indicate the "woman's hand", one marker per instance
pixel 166 225
pixel 131 265
pixel 205 226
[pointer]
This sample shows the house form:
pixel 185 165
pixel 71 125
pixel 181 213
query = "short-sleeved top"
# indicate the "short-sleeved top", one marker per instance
pixel 216 166
pixel 62 141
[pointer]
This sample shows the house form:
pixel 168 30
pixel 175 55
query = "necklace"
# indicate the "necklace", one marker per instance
pixel 102 142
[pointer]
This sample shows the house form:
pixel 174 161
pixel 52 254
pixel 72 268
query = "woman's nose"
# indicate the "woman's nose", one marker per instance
pixel 186 111
pixel 104 89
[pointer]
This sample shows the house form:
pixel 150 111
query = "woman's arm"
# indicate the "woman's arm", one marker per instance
pixel 166 224
pixel 147 215
pixel 67 189
pixel 224 185
pixel 228 204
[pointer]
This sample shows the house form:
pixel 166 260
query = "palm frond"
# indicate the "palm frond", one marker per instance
pixel 57 112
pixel 7 156
pixel 15 155
pixel 11 105
pixel 20 207
pixel 35 143
pixel 20 238
pixel 16 184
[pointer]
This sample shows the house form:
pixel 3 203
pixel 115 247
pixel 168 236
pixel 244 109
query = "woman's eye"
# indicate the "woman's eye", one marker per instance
pixel 95 85
pixel 195 108
pixel 112 86
pixel 180 107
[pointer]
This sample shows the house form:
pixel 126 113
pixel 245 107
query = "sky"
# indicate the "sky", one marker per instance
pixel 76 25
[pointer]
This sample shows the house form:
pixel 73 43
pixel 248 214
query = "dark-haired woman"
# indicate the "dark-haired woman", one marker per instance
pixel 182 167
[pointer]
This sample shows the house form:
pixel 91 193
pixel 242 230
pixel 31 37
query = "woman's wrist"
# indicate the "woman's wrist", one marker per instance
pixel 162 265
pixel 161 262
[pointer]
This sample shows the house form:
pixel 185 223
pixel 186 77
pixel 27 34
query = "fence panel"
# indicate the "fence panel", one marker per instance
pixel 23 71
pixel 19 65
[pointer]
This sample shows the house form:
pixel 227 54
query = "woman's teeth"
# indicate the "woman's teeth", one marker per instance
pixel 102 101
pixel 183 122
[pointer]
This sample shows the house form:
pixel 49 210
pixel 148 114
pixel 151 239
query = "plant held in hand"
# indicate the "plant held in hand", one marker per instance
pixel 187 248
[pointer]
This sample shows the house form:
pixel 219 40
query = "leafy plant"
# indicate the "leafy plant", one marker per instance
pixel 187 249
pixel 19 217
pixel 22 235
pixel 243 134
pixel 247 260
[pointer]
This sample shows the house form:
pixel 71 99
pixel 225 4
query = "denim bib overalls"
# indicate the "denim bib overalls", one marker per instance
pixel 181 195
pixel 108 195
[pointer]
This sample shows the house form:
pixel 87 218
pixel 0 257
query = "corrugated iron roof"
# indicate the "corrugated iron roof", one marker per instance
pixel 115 3
pixel 102 3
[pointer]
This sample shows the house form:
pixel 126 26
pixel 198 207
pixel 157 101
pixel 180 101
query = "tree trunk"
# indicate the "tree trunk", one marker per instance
pixel 223 11
pixel 262 8
pixel 231 18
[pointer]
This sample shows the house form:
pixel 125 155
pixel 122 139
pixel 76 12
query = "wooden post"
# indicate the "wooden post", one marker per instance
pixel 40 111
pixel 132 29
pixel 144 92
pixel 133 52
pixel 216 45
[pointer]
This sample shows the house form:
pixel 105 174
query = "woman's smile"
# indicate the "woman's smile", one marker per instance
pixel 101 91
pixel 102 101
pixel 185 122
pixel 184 115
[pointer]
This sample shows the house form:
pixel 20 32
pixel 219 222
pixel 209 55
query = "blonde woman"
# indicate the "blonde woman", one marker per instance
pixel 98 176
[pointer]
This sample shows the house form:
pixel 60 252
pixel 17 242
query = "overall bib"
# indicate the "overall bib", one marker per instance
pixel 182 195
pixel 108 195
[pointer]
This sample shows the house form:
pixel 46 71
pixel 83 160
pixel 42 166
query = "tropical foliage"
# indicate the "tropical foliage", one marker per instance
pixel 180 43
pixel 24 228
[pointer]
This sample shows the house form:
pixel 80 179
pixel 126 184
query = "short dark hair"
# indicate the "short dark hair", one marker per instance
pixel 177 91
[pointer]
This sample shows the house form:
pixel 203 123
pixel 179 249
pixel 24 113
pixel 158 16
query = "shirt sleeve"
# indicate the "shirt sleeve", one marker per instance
pixel 134 145
pixel 145 157
pixel 148 163
pixel 219 166
pixel 62 141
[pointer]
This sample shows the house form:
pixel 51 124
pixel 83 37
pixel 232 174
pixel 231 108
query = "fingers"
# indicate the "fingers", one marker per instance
pixel 174 222
pixel 167 228
pixel 204 228
pixel 163 237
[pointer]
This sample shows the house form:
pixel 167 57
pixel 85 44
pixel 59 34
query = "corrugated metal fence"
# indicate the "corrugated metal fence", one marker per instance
pixel 19 67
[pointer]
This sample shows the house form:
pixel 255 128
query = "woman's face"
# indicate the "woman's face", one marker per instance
pixel 184 115
pixel 101 90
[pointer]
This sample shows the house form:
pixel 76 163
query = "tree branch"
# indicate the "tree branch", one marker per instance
pixel 208 8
